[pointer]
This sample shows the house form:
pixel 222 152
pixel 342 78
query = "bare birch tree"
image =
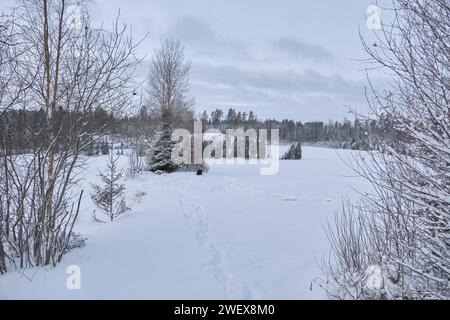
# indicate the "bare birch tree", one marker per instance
pixel 168 83
pixel 70 69
pixel 11 86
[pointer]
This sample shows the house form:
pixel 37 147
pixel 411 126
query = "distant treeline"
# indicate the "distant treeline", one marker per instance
pixel 358 134
pixel 21 127
pixel 21 130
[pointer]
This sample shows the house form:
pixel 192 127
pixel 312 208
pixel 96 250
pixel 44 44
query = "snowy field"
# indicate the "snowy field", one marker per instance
pixel 230 234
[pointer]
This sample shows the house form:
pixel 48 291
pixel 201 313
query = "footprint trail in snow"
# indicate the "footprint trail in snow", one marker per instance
pixel 193 212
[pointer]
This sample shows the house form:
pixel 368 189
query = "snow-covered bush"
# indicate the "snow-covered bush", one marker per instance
pixel 294 152
pixel 358 267
pixel 403 227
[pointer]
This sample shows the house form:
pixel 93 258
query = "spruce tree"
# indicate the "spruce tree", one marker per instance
pixel 108 197
pixel 160 159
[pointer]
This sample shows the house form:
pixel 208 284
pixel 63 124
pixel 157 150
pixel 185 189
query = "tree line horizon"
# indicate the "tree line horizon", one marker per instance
pixel 359 134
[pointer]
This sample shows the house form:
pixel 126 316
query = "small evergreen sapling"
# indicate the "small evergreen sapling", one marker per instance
pixel 108 197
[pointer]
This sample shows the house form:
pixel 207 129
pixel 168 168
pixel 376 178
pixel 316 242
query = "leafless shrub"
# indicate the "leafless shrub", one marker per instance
pixel 403 227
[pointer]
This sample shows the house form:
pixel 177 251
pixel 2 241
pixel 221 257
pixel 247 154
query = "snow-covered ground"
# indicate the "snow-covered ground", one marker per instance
pixel 230 234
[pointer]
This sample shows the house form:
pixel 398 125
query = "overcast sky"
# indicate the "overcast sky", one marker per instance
pixel 281 58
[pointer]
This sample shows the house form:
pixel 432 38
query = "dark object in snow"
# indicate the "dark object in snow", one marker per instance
pixel 199 172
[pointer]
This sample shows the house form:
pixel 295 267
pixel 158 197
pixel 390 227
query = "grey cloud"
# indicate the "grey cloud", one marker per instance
pixel 287 81
pixel 303 108
pixel 202 39
pixel 300 95
pixel 192 30
pixel 298 49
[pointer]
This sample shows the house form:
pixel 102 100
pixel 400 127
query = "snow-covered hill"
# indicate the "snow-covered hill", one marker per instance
pixel 230 234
